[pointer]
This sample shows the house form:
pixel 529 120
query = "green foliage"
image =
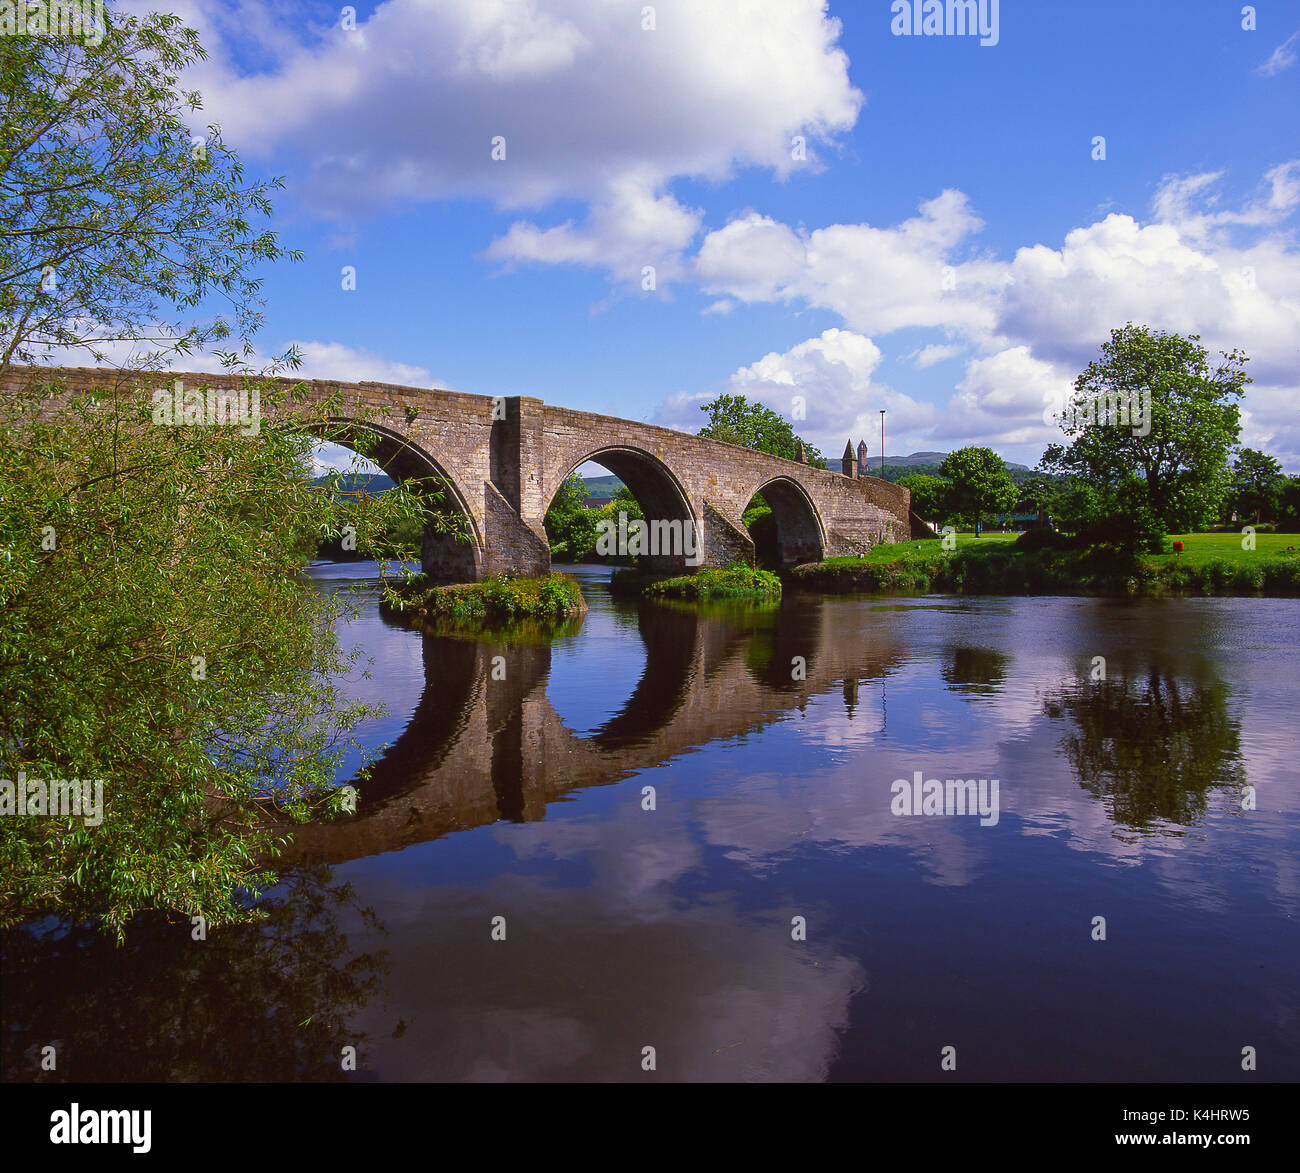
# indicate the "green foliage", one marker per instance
pixel 157 637
pixel 625 502
pixel 1043 562
pixel 759 520
pixel 1131 489
pixel 494 600
pixel 569 497
pixel 930 497
pixel 733 419
pixel 1036 494
pixel 1257 485
pixel 406 534
pixel 1043 539
pixel 1288 505
pixel 116 225
pixel 573 530
pixel 979 484
pixel 733 582
pixel 757 509
pixel 570 525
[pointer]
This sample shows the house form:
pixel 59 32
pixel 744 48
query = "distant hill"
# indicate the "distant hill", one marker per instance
pixel 932 458
pixel 605 486
pixel 355 483
pixel 915 458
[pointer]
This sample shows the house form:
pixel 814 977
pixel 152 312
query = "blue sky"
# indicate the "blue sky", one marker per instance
pixel 947 248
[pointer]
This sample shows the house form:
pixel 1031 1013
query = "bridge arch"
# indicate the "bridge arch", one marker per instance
pixel 799 532
pixel 659 492
pixel 442 556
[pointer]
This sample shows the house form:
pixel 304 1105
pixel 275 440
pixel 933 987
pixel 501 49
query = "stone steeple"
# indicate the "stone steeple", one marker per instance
pixel 849 463
pixel 862 458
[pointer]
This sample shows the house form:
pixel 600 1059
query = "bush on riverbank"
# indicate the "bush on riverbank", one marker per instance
pixel 499 599
pixel 1208 565
pixel 733 582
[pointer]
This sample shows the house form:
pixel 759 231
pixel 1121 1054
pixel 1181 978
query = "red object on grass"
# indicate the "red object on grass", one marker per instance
pixel 1178 547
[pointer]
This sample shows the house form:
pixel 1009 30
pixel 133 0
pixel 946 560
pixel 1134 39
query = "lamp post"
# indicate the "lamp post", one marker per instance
pixel 882 443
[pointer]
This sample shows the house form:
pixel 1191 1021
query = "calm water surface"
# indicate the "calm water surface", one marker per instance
pixel 525 797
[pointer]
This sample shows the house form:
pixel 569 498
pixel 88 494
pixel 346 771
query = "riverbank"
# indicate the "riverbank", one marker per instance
pixel 1209 564
pixel 554 597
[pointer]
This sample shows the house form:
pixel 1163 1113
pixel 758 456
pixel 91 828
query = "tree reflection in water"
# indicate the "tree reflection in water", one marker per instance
pixel 1152 746
pixel 975 670
pixel 266 1001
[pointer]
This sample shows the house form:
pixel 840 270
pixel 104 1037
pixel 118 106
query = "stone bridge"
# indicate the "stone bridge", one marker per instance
pixel 502 461
pixel 477 749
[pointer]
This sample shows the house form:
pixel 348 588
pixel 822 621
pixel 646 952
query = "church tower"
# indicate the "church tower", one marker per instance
pixel 862 458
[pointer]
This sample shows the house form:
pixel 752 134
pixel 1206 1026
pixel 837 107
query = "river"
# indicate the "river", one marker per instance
pixel 684 830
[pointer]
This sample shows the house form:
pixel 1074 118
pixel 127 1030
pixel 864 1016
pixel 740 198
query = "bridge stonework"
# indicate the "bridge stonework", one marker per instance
pixel 503 460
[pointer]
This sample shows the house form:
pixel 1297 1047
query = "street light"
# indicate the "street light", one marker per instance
pixel 882 443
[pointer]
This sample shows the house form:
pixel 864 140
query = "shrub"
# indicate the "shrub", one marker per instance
pixel 1218 576
pixel 1249 578
pixel 736 581
pixel 494 599
pixel 1041 539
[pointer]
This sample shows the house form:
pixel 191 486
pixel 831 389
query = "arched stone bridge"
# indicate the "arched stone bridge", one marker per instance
pixel 503 460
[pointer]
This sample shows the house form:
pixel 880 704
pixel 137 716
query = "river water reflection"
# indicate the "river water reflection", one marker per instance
pixel 671 928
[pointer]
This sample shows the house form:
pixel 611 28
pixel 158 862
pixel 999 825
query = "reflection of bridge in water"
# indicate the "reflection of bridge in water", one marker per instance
pixel 477 750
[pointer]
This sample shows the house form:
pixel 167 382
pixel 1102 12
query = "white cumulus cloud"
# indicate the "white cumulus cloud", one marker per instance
pixel 586 102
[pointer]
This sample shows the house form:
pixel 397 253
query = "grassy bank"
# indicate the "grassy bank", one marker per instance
pixel 1210 564
pixel 733 582
pixel 552 598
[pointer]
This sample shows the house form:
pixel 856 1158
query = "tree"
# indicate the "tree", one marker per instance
pixel 1036 493
pixel 980 484
pixel 1256 483
pixel 570 525
pixel 159 658
pixel 929 496
pixel 734 420
pixel 1288 509
pixel 158 648
pixel 1159 464
pixel 626 502
pixel 116 225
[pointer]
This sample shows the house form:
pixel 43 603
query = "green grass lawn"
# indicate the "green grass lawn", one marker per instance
pixel 893 551
pixel 1210 564
pixel 1200 548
